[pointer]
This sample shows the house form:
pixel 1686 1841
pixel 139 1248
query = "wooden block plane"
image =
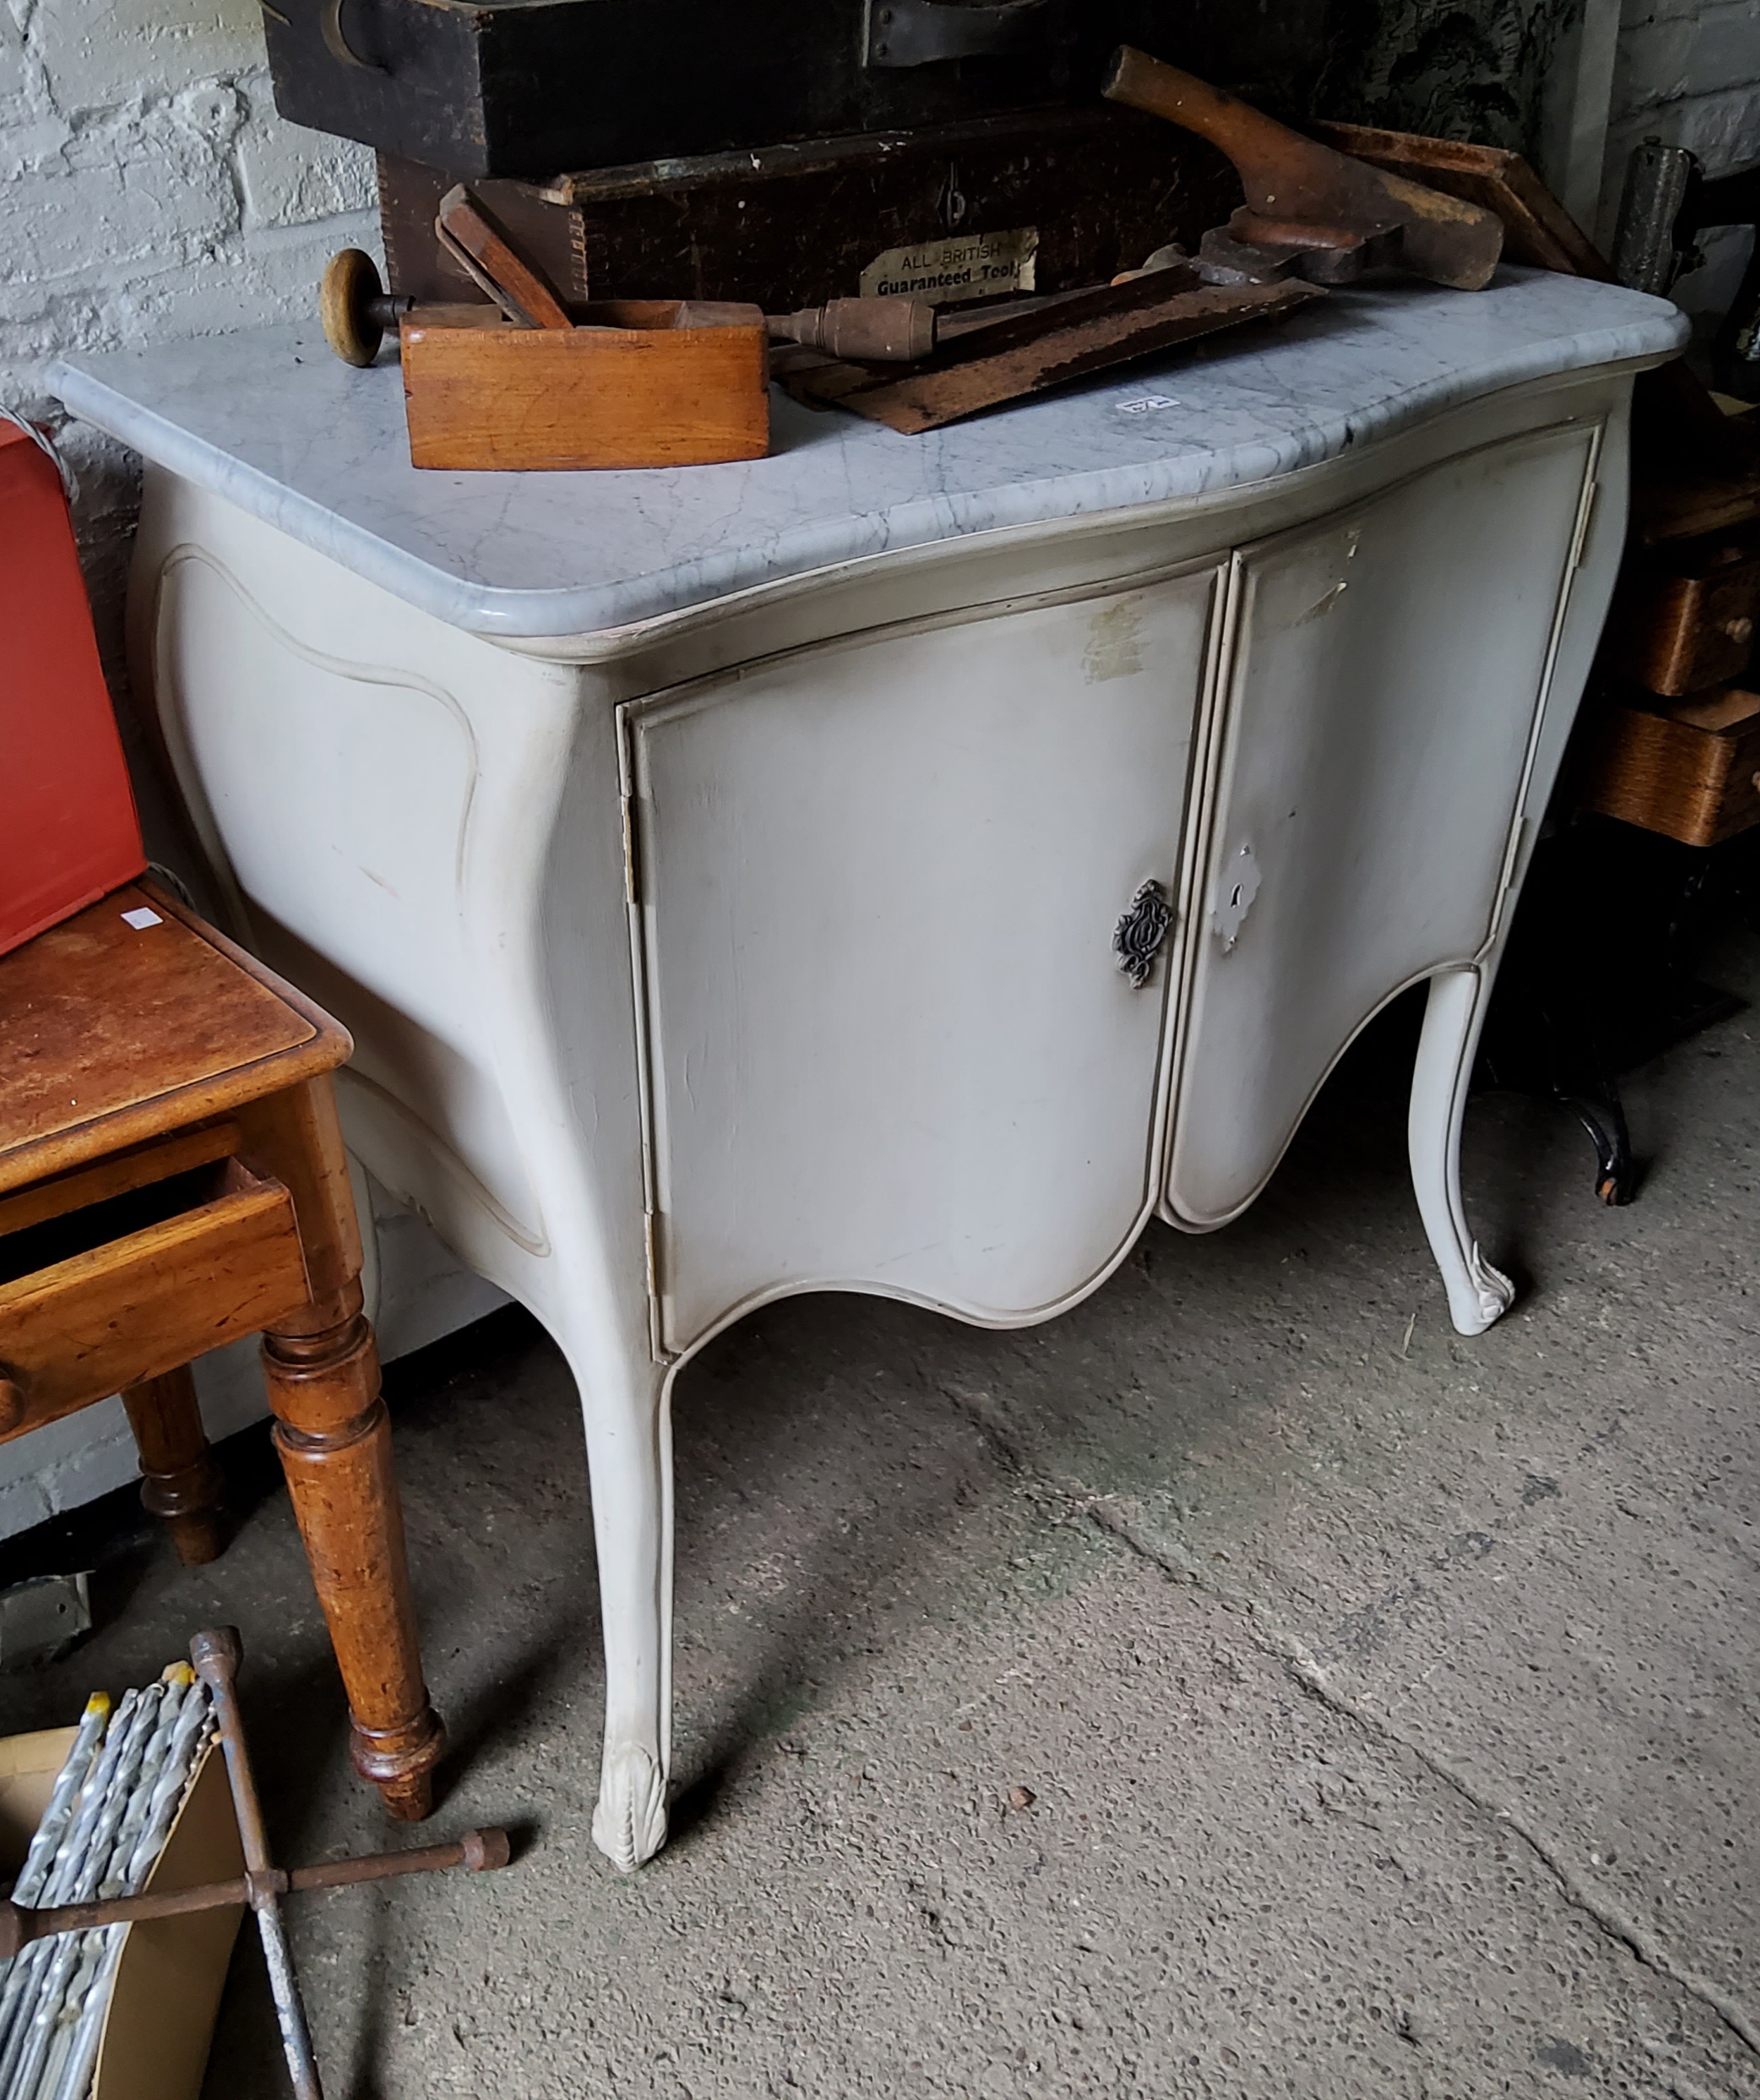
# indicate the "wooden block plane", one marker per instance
pixel 627 387
pixel 528 384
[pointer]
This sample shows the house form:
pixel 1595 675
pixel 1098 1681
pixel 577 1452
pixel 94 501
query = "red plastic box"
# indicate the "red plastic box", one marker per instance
pixel 67 828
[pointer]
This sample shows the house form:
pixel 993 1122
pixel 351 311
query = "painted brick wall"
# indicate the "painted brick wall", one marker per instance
pixel 148 189
pixel 1687 71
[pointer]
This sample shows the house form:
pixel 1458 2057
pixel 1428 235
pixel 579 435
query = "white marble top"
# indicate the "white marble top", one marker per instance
pixel 271 420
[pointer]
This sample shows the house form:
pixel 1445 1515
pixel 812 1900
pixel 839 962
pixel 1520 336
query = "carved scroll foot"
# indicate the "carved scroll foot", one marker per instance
pixel 629 1823
pixel 629 1457
pixel 1490 1295
pixel 1478 1294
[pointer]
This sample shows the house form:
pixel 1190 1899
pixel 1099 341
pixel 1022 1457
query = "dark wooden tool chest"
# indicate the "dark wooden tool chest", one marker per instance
pixel 1043 201
pixel 525 87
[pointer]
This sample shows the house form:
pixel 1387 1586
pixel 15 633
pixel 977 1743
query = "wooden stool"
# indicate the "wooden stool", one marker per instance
pixel 171 1177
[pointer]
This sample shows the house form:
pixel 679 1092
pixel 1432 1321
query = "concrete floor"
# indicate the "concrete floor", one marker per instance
pixel 1243 1686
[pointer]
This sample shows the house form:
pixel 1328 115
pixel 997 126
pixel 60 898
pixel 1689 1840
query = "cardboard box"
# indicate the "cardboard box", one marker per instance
pixel 173 1969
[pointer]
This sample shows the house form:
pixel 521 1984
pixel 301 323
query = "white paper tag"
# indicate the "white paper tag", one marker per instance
pixel 1144 405
pixel 965 266
pixel 141 918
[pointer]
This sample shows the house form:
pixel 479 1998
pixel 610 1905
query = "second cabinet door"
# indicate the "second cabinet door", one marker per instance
pixel 1388 664
pixel 889 1045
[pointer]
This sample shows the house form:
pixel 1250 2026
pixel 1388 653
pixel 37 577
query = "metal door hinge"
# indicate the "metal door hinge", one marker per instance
pixel 915 32
pixel 631 887
pixel 1136 939
pixel 1584 519
pixel 656 1312
pixel 1512 856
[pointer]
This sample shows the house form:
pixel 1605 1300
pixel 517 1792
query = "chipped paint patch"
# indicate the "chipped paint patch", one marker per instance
pixel 1324 604
pixel 1237 886
pixel 1115 633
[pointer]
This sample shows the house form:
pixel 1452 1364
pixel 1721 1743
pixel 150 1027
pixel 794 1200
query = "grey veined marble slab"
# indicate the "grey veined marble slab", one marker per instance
pixel 271 420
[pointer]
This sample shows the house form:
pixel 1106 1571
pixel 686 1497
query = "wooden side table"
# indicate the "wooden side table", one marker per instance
pixel 172 1177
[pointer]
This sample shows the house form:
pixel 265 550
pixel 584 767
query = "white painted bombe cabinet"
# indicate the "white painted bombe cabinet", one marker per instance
pixel 921 923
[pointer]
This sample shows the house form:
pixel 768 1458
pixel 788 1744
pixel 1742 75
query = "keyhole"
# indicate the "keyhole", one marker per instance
pixel 1234 897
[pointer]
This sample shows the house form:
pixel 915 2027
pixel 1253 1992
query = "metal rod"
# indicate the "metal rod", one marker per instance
pixel 481 1851
pixel 216 1654
pixel 478 1850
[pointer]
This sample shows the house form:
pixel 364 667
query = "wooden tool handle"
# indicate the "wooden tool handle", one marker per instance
pixel 1267 155
pixel 355 307
pixel 888 331
pixel 1287 177
pixel 714 313
pixel 523 290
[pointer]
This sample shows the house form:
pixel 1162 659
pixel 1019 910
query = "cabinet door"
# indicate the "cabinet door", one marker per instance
pixel 889 1045
pixel 1387 668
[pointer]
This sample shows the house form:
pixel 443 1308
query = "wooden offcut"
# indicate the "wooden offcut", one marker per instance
pixel 627 388
pixel 1536 227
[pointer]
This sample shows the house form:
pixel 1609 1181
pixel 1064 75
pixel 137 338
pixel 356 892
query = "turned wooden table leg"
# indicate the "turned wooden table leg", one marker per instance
pixel 334 1438
pixel 180 1481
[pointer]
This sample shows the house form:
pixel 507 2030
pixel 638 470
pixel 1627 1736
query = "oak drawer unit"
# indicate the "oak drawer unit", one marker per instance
pixel 1690 625
pixel 1690 771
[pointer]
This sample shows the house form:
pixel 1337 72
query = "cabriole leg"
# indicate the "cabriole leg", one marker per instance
pixel 1478 1294
pixel 179 1480
pixel 628 1431
pixel 334 1438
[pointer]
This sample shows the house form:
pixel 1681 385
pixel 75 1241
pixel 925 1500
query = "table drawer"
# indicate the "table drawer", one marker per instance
pixel 225 1262
pixel 1694 628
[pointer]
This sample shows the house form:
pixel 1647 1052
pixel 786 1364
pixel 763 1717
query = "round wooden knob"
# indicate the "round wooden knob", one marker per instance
pixel 351 305
pixel 1739 630
pixel 11 1405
